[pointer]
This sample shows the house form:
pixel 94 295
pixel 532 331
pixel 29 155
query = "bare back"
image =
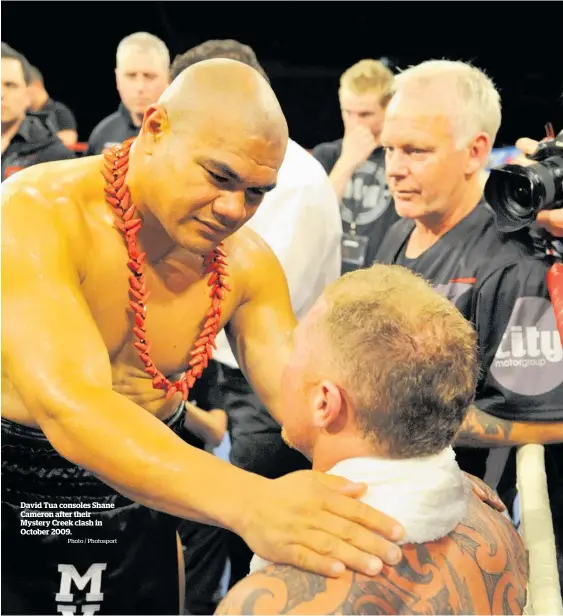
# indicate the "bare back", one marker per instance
pixel 74 228
pixel 480 568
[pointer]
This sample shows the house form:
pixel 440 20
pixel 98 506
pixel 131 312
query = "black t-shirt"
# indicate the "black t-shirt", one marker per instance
pixel 499 285
pixel 366 202
pixel 116 128
pixel 34 143
pixel 60 115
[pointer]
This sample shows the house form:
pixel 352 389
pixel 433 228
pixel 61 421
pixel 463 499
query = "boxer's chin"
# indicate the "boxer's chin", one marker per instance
pixel 195 243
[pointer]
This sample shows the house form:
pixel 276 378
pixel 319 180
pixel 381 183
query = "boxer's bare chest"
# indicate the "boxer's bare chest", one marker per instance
pixel 175 313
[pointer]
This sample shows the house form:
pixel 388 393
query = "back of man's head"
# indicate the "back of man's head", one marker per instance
pixel 35 76
pixel 405 357
pixel 216 48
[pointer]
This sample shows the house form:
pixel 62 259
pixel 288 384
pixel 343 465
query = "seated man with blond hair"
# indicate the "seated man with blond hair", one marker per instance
pixel 382 373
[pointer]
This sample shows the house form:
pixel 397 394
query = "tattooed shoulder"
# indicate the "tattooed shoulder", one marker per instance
pixel 480 568
pixel 276 589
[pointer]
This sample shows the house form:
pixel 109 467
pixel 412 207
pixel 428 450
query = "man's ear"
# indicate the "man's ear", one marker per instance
pixel 479 150
pixel 155 123
pixel 328 404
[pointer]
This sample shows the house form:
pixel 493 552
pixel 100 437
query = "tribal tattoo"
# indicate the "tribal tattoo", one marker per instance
pixel 482 430
pixel 480 568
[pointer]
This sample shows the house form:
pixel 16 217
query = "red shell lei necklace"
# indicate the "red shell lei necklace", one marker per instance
pixel 118 196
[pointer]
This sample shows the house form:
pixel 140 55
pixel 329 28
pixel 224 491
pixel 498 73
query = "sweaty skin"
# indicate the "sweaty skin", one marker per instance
pixel 479 568
pixel 206 154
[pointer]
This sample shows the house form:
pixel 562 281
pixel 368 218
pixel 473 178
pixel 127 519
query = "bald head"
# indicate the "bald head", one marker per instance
pixel 225 93
pixel 209 150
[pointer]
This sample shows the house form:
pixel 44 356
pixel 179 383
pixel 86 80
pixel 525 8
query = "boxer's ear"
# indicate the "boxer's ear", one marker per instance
pixel 155 124
pixel 329 407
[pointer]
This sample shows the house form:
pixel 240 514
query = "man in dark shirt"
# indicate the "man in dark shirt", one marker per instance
pixel 59 114
pixel 26 138
pixel 438 132
pixel 356 163
pixel 142 64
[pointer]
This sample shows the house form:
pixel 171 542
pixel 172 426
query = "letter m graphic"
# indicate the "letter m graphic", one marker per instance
pixel 93 577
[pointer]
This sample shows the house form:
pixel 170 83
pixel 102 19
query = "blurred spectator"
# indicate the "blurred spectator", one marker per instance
pixel 141 75
pixel 27 138
pixel 300 221
pixel 60 115
pixel 356 163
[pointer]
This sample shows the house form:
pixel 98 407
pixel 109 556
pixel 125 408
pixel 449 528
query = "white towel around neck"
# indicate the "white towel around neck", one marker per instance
pixel 428 495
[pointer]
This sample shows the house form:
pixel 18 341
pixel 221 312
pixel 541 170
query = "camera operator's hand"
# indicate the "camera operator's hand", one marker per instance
pixel 552 220
pixel 527 147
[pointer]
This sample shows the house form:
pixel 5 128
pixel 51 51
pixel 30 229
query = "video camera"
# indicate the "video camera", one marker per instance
pixel 517 193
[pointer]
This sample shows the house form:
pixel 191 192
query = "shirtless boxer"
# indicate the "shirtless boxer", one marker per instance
pixel 382 373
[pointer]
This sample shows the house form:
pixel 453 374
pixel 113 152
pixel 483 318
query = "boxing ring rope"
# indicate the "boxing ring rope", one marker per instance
pixel 544 595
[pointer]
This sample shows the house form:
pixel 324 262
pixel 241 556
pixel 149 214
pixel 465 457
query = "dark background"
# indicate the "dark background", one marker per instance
pixel 304 46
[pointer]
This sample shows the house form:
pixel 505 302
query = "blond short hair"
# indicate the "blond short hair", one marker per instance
pixel 472 93
pixel 404 355
pixel 143 41
pixel 367 76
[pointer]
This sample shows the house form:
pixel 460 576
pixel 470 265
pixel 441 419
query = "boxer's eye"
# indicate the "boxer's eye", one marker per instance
pixel 218 178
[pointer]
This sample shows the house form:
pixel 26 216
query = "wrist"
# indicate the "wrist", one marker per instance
pixel 346 165
pixel 237 517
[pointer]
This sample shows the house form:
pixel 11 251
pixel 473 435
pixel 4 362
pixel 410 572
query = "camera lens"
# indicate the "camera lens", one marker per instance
pixel 516 194
pixel 520 195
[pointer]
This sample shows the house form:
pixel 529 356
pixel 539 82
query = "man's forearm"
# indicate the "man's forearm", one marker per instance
pixel 140 457
pixel 480 429
pixel 340 176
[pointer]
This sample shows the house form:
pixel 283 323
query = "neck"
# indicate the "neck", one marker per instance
pixel 136 118
pixel 152 237
pixel 9 129
pixel 431 228
pixel 40 100
pixel 330 450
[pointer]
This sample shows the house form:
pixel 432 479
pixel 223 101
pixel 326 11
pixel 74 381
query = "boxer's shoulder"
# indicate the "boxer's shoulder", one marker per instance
pixel 252 260
pixel 54 201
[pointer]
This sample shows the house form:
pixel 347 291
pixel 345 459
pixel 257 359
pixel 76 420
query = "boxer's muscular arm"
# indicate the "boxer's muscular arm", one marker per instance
pixel 55 357
pixel 56 360
pixel 261 330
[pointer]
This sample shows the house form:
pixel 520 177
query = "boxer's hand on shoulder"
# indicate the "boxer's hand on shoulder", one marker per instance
pixel 314 521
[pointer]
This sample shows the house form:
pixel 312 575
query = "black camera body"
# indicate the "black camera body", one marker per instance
pixel 517 193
